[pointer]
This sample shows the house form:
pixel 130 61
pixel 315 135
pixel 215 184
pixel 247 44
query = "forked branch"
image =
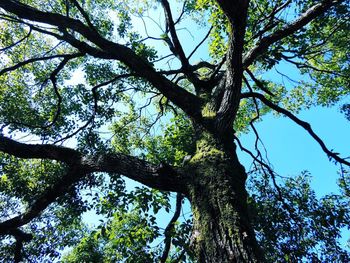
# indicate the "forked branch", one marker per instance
pixel 162 177
pixel 187 101
pixel 305 18
pixel 32 60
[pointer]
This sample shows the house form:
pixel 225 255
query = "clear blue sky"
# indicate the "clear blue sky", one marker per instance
pixel 291 149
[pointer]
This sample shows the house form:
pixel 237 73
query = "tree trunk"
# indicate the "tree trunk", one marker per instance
pixel 222 227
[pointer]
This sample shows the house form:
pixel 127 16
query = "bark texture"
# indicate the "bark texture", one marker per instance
pixel 213 180
pixel 222 226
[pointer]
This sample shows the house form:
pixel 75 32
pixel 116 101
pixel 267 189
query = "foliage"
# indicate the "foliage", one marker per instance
pixel 62 87
pixel 299 227
pixel 126 237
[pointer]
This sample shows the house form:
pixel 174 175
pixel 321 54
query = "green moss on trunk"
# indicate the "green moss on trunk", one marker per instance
pixel 222 228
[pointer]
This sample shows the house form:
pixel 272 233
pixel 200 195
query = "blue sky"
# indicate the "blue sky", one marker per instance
pixel 289 147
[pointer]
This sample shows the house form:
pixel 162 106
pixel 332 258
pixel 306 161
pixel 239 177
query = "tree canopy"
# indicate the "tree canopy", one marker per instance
pixel 96 95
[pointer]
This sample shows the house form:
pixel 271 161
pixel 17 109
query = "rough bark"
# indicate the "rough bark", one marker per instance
pixel 214 181
pixel 222 227
pixel 161 177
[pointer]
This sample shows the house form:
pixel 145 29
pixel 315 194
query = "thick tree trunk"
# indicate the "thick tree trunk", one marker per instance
pixel 222 227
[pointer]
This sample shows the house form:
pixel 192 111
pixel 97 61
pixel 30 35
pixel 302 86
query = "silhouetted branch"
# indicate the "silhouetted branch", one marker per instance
pixel 38 151
pixel 20 237
pixel 305 18
pixel 182 13
pixel 265 167
pixel 270 18
pixel 84 14
pixel 168 232
pixel 32 60
pixel 108 50
pixel 95 107
pixel 257 137
pixel 41 203
pixel 258 83
pixel 170 27
pixel 18 42
pixel 200 43
pixel 305 65
pixel 303 124
pixel 175 45
pixel 53 78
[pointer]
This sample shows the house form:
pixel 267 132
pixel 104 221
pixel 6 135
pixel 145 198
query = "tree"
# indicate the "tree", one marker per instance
pixel 44 183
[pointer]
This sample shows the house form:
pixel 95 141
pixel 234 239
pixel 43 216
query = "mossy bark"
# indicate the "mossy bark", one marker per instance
pixel 222 227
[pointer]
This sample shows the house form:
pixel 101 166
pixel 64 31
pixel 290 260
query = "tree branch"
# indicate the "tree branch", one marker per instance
pixel 303 124
pixel 18 41
pixel 270 18
pixel 38 151
pixel 178 50
pixel 39 205
pixel 53 78
pixel 95 105
pixel 267 170
pixel 226 114
pixel 170 228
pixel 305 18
pixel 162 177
pixel 305 65
pixel 20 237
pixel 234 10
pixel 32 60
pixel 175 45
pixel 258 83
pixel 84 14
pixel 187 101
pixel 200 43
